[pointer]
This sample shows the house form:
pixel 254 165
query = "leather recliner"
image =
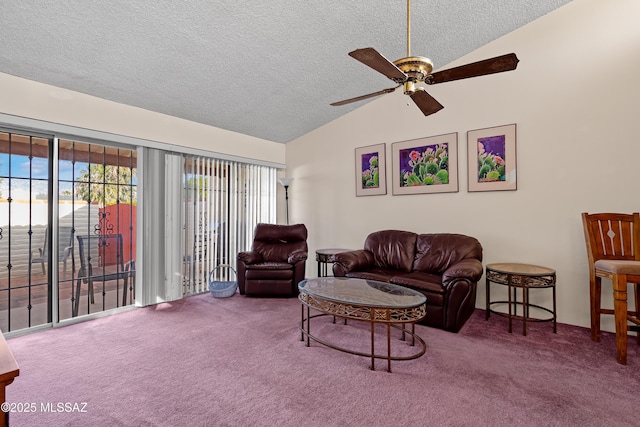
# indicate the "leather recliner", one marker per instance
pixel 276 263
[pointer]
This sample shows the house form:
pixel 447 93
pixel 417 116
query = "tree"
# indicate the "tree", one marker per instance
pixel 106 185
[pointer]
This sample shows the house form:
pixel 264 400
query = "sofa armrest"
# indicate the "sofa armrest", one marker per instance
pixel 296 257
pixel 249 257
pixel 345 262
pixel 469 269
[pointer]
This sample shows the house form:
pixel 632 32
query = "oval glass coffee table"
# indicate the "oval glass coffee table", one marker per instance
pixel 365 300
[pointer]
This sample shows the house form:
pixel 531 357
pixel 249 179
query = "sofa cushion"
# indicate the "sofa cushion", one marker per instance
pixel 430 285
pixel 379 274
pixel 392 249
pixel 437 252
pixel 270 266
pixel 269 271
pixel 421 281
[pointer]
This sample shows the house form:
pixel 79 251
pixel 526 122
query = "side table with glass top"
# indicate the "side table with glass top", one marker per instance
pixel 525 277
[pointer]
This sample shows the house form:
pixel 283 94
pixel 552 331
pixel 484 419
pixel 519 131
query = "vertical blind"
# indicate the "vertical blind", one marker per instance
pixel 222 203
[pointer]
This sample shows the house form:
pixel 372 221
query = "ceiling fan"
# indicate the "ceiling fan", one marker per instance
pixel 411 70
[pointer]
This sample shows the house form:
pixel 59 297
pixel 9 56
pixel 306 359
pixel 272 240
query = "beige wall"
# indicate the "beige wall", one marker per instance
pixel 26 98
pixel 575 98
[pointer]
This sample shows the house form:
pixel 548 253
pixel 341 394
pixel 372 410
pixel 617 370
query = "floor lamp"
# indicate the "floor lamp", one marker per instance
pixel 286 182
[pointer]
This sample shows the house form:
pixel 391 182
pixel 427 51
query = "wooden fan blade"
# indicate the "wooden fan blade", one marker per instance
pixel 425 102
pixel 360 98
pixel 371 58
pixel 498 64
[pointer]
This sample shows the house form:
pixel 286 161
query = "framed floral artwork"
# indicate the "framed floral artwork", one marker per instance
pixel 492 158
pixel 371 177
pixel 425 165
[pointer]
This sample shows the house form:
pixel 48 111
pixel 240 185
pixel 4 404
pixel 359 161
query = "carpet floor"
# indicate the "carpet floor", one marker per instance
pixel 239 361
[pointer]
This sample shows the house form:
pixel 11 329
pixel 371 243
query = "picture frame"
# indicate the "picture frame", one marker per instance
pixel 370 168
pixel 425 165
pixel 492 159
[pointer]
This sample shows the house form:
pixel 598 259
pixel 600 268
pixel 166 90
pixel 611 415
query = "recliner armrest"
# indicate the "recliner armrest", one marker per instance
pixel 250 257
pixel 345 262
pixel 296 257
pixel 469 268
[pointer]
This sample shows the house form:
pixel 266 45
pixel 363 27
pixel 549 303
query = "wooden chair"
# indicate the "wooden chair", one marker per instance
pixel 613 248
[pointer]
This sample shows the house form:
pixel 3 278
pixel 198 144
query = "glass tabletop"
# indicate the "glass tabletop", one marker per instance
pixel 360 291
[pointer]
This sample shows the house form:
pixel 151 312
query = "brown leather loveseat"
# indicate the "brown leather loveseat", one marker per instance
pixel 444 267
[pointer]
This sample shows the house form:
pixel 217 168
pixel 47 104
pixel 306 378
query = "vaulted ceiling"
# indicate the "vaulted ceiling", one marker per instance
pixel 268 69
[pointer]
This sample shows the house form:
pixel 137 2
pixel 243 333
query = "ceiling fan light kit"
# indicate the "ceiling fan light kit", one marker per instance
pixel 411 70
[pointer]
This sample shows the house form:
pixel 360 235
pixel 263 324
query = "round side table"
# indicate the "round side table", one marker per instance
pixel 325 257
pixel 524 276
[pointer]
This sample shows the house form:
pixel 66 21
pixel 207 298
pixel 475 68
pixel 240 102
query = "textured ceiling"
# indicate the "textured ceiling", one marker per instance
pixel 268 69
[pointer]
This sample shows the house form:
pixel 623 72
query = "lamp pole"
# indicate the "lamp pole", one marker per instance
pixel 286 182
pixel 286 198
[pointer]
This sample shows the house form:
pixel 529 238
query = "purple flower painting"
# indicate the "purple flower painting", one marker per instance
pixel 370 170
pixel 491 155
pixel 492 158
pixel 425 165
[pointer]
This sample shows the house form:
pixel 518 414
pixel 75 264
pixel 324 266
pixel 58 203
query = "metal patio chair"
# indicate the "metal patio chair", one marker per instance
pixel 102 260
pixel 65 250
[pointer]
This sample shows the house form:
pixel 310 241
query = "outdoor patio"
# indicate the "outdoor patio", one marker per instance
pixel 27 305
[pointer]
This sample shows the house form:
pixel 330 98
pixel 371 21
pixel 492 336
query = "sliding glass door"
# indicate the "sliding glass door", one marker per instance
pixel 97 227
pixel 25 193
pixel 67 228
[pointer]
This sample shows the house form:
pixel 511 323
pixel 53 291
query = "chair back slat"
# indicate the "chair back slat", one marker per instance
pixel 626 244
pixel 612 236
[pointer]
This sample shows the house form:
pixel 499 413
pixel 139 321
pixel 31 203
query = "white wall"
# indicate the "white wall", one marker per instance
pixel 575 98
pixel 26 98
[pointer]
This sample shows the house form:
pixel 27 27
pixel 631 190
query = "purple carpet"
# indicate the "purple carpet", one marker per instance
pixel 239 361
